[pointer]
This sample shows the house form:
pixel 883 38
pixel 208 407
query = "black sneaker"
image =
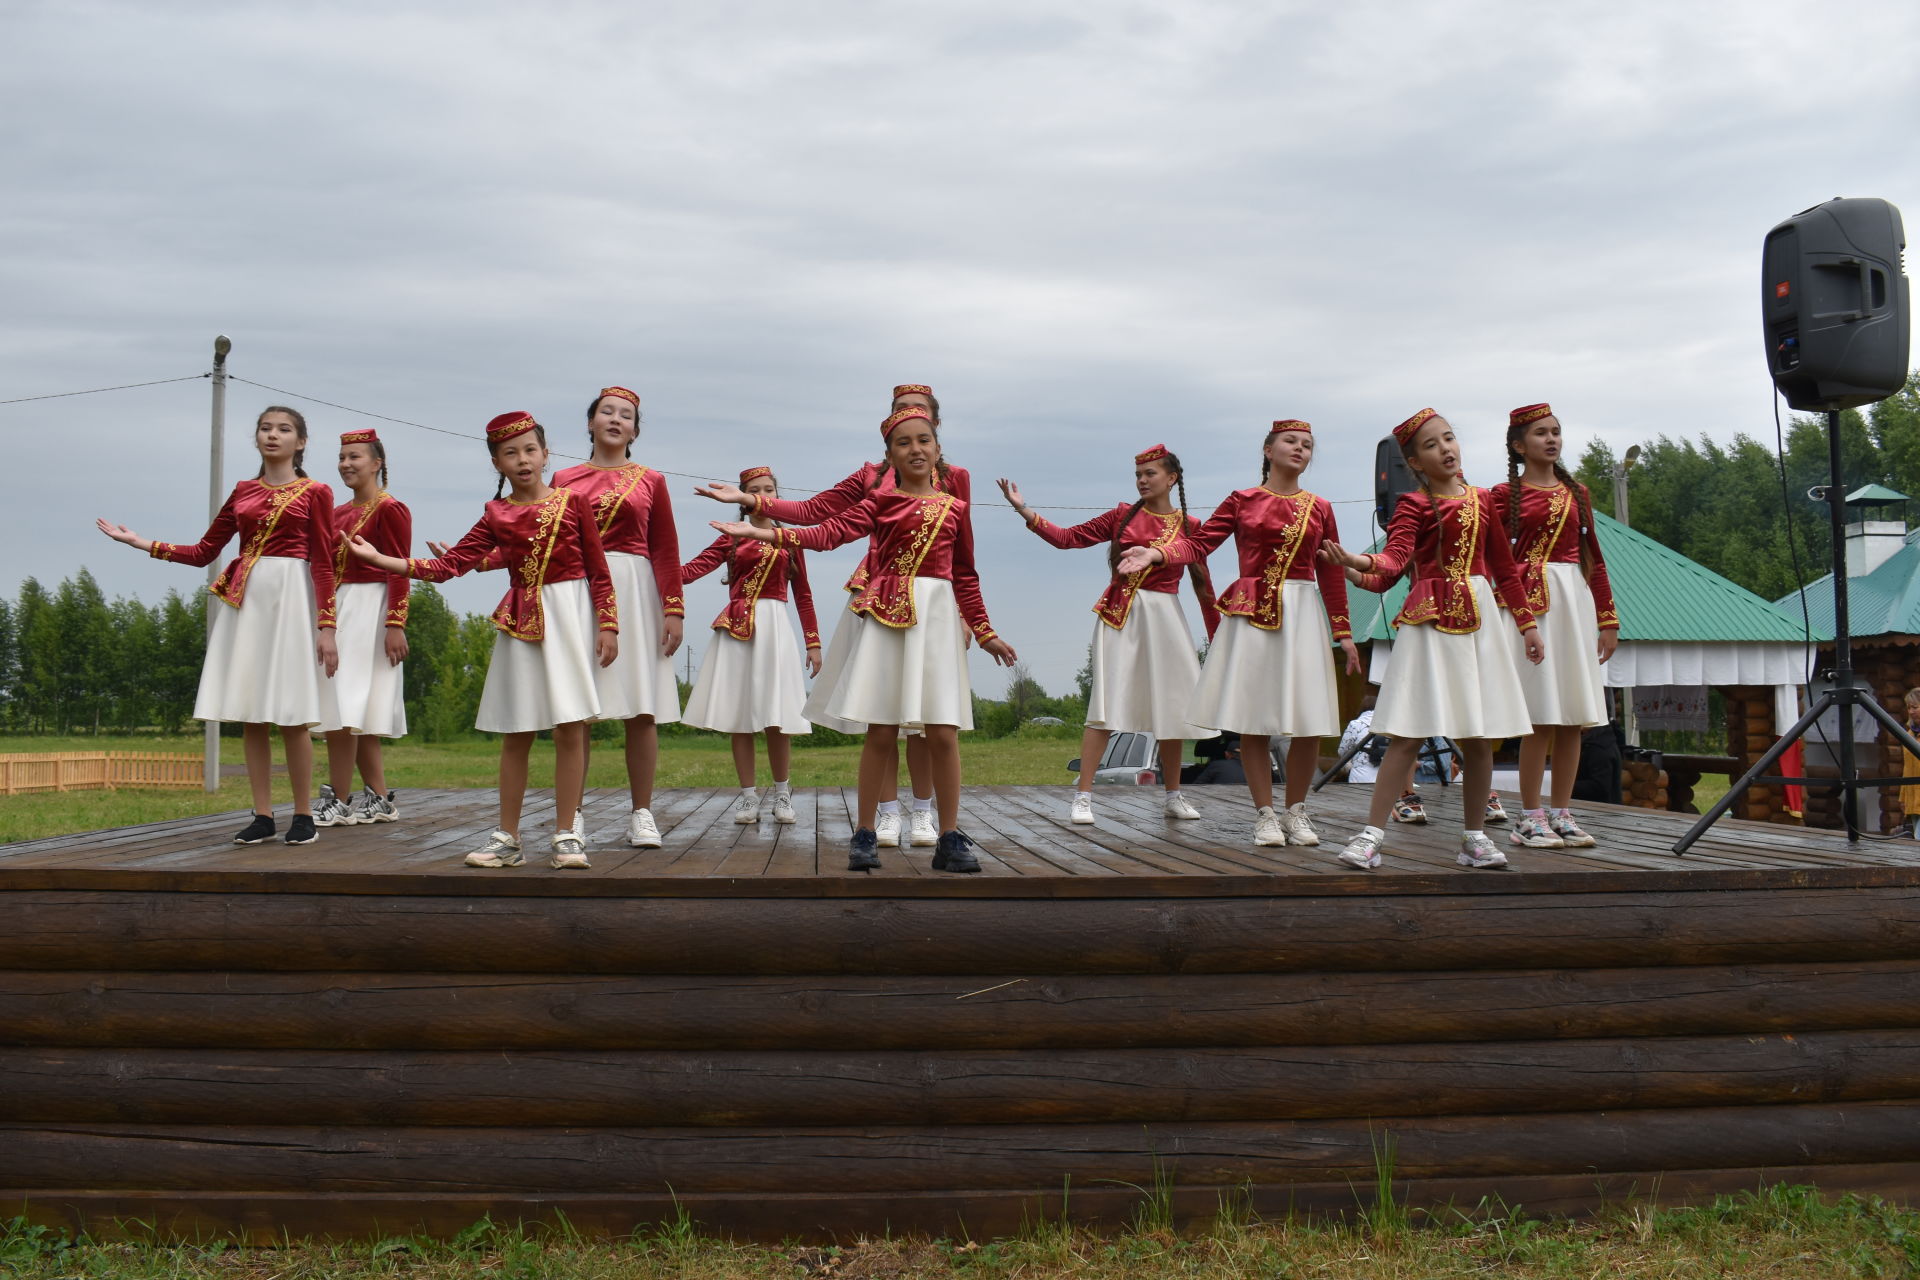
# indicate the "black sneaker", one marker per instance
pixel 863 851
pixel 301 829
pixel 955 854
pixel 259 831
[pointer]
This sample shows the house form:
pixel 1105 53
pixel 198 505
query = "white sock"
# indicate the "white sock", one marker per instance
pixel 1469 833
pixel 1174 794
pixel 890 806
pixel 781 787
pixel 923 806
pixel 749 792
pixel 1375 832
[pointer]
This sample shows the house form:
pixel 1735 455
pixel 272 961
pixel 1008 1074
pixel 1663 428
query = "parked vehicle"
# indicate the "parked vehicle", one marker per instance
pixel 1130 759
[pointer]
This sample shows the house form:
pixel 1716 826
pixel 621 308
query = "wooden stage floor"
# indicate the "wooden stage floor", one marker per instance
pixel 1026 846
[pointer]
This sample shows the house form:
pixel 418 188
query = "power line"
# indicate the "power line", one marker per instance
pixel 94 391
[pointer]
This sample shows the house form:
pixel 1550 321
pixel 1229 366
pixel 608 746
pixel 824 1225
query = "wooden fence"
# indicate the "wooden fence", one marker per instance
pixel 26 772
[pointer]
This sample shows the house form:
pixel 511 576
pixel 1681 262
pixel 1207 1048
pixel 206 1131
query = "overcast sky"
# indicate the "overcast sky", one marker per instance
pixel 1091 226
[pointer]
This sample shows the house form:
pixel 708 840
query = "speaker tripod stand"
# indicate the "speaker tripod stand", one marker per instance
pixel 1845 694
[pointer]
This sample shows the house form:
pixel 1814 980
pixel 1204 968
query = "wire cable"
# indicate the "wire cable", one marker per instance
pixel 94 391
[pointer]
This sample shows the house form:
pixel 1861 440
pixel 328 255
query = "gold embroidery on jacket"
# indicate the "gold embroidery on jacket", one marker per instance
pixel 1114 611
pixel 230 585
pixel 896 609
pixel 1559 504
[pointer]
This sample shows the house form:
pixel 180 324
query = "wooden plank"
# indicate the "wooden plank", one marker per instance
pixel 458 1159
pixel 458 1011
pixel 286 931
pixel 795 851
pixel 731 1089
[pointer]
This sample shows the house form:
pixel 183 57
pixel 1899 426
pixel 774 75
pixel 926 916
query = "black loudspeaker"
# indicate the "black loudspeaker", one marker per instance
pixel 1391 478
pixel 1834 298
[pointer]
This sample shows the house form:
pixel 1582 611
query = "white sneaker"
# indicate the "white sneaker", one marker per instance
pixel 1294 821
pixel 641 833
pixel 1177 806
pixel 924 834
pixel 783 807
pixel 1082 811
pixel 1363 851
pixel 500 850
pixel 330 811
pixel 1267 831
pixel 568 855
pixel 1480 853
pixel 886 830
pixel 370 806
pixel 747 808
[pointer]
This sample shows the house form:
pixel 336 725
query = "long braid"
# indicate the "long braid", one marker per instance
pixel 1119 531
pixel 1197 570
pixel 1266 465
pixel 1513 493
pixel 1585 501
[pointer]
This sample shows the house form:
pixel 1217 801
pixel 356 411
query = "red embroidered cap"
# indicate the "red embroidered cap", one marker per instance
pixel 754 473
pixel 1404 433
pixel 508 425
pixel 913 389
pixel 1291 424
pixel 631 397
pixel 1154 454
pixel 899 416
pixel 365 435
pixel 1528 413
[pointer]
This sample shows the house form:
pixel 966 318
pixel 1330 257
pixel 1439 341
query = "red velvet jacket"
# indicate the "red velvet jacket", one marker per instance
pixel 388 525
pixel 918 536
pixel 635 516
pixel 1441 549
pixel 1549 533
pixel 293 520
pixel 828 503
pixel 1144 530
pixel 756 571
pixel 1278 537
pixel 552 540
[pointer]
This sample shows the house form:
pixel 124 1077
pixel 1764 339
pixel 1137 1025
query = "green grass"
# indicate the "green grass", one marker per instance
pixel 1789 1232
pixel 702 760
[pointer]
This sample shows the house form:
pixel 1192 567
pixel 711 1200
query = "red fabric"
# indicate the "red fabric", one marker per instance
pixel 1793 764
pixel 552 540
pixel 828 503
pixel 1550 534
pixel 388 525
pixel 1278 537
pixel 1440 545
pixel 755 571
pixel 635 516
pixel 293 520
pixel 1144 530
pixel 918 536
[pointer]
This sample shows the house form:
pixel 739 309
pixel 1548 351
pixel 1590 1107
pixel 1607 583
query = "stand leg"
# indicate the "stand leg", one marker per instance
pixel 1759 769
pixel 1334 769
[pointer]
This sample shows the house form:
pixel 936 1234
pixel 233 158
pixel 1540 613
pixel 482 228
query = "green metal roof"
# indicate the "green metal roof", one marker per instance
pixel 1874 495
pixel 1884 602
pixel 1661 595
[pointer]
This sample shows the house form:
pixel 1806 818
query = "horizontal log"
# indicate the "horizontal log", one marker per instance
pixel 1000 1086
pixel 63 930
pixel 462 1160
pixel 269 1220
pixel 429 1011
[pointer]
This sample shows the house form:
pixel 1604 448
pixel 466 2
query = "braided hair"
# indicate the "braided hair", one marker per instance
pixel 493 451
pixel 299 433
pixel 1583 500
pixel 1196 572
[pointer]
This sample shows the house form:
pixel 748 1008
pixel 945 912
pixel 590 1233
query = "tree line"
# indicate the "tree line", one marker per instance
pixel 74 662
pixel 1723 505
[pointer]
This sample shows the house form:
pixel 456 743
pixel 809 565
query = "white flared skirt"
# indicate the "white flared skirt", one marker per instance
pixel 1145 672
pixel 262 662
pixel 1278 683
pixel 640 681
pixel 368 691
pixel 1457 686
pixel 537 684
pixel 832 668
pixel 746 686
pixel 1565 688
pixel 911 676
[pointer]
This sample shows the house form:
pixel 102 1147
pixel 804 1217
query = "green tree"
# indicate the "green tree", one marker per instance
pixel 430 630
pixel 134 654
pixel 39 660
pixel 459 675
pixel 9 663
pixel 182 650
